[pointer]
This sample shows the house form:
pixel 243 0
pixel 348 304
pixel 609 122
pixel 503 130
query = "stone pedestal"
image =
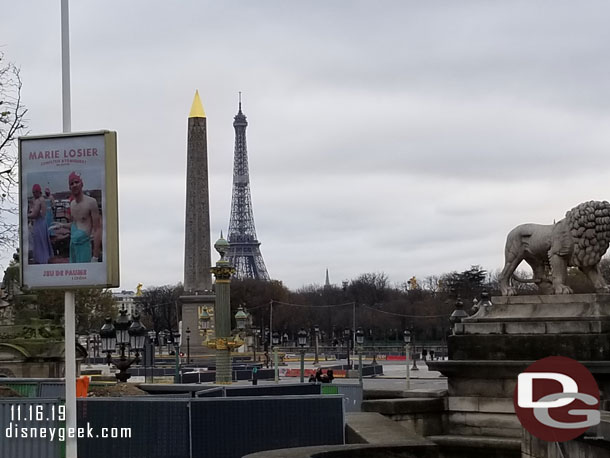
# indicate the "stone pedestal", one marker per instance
pixel 35 349
pixel 191 306
pixel 489 349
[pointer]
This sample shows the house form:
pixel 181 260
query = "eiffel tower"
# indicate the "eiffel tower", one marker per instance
pixel 244 250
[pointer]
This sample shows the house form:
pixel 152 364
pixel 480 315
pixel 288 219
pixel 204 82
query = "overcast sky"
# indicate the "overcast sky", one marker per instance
pixel 399 136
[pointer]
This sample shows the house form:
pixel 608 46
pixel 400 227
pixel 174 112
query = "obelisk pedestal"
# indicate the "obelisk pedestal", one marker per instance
pixel 197 260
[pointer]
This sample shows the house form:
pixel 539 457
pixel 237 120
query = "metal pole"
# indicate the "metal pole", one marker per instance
pixel 354 326
pixel 270 319
pixel 89 349
pixel 188 349
pixel 70 372
pixel 407 356
pixel 65 69
pixel 69 313
pixel 316 347
pixel 360 366
pixel 302 366
pixel 349 364
pixel 276 362
pixel 414 367
pixel 145 358
pixel 177 362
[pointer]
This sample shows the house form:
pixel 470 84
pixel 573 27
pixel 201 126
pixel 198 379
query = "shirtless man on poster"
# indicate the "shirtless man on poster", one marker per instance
pixel 85 225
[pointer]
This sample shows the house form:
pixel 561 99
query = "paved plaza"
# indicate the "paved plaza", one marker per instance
pixel 393 378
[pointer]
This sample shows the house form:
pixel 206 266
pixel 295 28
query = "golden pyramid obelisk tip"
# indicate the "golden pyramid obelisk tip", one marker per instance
pixel 197 107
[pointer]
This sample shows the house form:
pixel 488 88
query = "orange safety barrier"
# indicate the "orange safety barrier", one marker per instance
pixel 82 386
pixel 395 358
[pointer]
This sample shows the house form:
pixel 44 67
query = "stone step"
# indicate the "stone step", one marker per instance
pixel 533 326
pixel 492 443
pixel 374 428
pixel 397 394
pixel 480 404
pixel 404 406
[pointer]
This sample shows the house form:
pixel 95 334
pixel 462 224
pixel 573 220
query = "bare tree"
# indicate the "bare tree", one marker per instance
pixel 12 114
pixel 160 308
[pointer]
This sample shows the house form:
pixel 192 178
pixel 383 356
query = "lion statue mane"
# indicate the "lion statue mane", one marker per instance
pixel 579 240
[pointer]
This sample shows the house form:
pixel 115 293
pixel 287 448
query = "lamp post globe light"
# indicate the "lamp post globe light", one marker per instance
pixel 360 343
pixel 125 335
pixel 302 342
pixel 275 338
pixel 241 318
pixel 243 321
pixel 108 336
pixel 204 320
pixel 406 336
pixel 137 334
pixel 122 328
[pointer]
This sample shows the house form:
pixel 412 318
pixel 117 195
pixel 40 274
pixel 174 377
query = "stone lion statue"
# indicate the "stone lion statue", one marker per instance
pixel 579 240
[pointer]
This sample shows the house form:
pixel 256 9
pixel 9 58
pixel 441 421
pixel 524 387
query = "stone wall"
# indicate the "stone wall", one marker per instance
pixel 532 447
pixel 420 416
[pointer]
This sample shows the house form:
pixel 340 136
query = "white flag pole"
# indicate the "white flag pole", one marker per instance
pixel 69 315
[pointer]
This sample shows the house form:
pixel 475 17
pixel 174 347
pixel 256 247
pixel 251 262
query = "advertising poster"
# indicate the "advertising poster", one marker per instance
pixel 68 210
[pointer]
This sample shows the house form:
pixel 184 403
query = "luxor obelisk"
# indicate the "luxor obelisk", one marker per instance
pixel 198 293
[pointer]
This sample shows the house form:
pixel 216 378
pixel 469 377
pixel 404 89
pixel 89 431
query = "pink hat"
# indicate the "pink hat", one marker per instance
pixel 35 188
pixel 72 176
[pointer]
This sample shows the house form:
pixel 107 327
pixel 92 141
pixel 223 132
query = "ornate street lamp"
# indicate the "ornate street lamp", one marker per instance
pixel 108 336
pixel 225 340
pixel 302 341
pixel 406 336
pixel 360 343
pixel 241 318
pixel 360 336
pixel 204 320
pixel 122 328
pixel 137 334
pixel 126 335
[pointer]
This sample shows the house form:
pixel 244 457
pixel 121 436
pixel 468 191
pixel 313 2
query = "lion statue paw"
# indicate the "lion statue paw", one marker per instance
pixel 563 289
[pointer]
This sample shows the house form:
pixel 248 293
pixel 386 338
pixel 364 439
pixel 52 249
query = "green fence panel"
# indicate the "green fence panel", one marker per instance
pixel 330 389
pixel 27 390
